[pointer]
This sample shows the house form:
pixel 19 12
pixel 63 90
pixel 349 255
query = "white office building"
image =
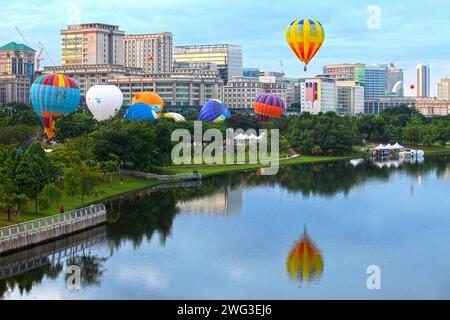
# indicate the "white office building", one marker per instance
pixel 318 94
pixel 350 97
pixel 151 52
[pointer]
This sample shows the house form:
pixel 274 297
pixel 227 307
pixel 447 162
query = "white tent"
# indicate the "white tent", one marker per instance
pixel 388 147
pixel 380 147
pixel 397 146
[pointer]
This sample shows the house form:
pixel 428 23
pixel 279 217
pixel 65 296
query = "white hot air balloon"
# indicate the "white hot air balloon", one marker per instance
pixel 104 100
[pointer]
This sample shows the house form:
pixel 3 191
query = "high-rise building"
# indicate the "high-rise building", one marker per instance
pixel 350 97
pixel 179 91
pixel 444 89
pixel 433 107
pixel 87 76
pixel 92 43
pixel 346 72
pixel 377 106
pixel 240 92
pixel 291 92
pixel 16 72
pixel 376 81
pixel 423 80
pixel 151 52
pixel 227 57
pixel 395 80
pixel 318 94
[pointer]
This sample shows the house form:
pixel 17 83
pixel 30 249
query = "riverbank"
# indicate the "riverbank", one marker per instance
pixel 102 191
pixel 133 184
pixel 211 170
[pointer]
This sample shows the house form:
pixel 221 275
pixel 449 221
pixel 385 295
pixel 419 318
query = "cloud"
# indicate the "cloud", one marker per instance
pixel 413 30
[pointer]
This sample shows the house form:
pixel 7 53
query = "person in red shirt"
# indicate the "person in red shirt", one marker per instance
pixel 61 209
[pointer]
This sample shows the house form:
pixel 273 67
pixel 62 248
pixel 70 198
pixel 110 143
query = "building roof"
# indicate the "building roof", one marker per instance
pixel 15 46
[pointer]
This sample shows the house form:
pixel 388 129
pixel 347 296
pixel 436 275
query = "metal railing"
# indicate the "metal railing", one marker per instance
pixel 44 223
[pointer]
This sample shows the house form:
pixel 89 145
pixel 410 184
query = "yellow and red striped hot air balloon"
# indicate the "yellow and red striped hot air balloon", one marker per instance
pixel 305 262
pixel 305 37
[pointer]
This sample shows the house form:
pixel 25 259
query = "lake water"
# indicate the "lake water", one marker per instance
pixel 311 232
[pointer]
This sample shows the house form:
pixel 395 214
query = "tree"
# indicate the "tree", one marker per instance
pixel 71 182
pixel 324 134
pixel 49 195
pixel 88 180
pixel 10 194
pixel 33 172
pixel 74 125
pixel 411 134
pixel 16 135
pixel 109 167
pixel 242 121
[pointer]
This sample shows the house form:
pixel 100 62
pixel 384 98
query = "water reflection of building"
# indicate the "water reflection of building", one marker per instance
pixel 305 262
pixel 446 174
pixel 225 202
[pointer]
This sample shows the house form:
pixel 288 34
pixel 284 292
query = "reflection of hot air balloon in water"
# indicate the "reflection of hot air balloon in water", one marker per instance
pixel 268 105
pixel 53 95
pixel 305 37
pixel 305 262
pixel 214 111
pixel 103 100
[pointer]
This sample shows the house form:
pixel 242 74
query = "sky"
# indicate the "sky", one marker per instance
pixel 404 32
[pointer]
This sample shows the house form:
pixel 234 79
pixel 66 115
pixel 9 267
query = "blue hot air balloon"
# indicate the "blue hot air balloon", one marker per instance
pixel 214 111
pixel 141 111
pixel 53 95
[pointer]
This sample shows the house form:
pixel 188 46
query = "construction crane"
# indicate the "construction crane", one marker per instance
pixel 282 66
pixel 22 36
pixel 37 58
pixel 46 53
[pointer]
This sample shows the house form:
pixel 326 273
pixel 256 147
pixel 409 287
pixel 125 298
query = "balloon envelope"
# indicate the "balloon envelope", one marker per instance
pixel 305 37
pixel 103 100
pixel 174 116
pixel 305 262
pixel 150 98
pixel 411 86
pixel 214 111
pixel 268 105
pixel 53 95
pixel 141 111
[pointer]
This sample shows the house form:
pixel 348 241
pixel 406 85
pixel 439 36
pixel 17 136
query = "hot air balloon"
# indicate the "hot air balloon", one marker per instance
pixel 411 86
pixel 305 37
pixel 305 262
pixel 174 116
pixel 103 100
pixel 53 95
pixel 268 105
pixel 150 98
pixel 214 111
pixel 140 111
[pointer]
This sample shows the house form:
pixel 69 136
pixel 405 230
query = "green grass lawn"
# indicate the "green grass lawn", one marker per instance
pixel 103 191
pixel 208 170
